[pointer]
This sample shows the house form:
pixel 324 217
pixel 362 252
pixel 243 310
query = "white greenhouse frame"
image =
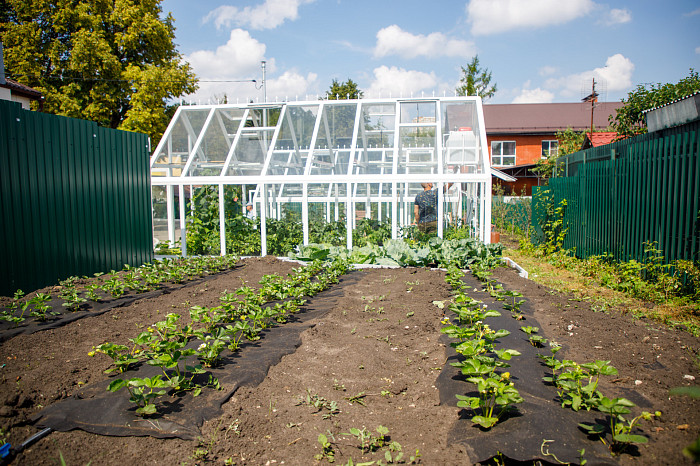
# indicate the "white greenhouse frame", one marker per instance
pixel 375 152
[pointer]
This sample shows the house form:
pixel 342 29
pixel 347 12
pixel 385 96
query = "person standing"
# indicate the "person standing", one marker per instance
pixel 425 209
pixel 250 213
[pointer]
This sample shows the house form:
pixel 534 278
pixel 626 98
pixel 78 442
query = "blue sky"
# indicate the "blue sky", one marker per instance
pixel 537 50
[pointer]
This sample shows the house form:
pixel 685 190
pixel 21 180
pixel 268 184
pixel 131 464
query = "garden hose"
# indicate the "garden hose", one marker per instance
pixel 7 453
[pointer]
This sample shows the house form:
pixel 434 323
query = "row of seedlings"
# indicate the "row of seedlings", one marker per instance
pixel 577 384
pixel 483 362
pixel 244 313
pixel 114 285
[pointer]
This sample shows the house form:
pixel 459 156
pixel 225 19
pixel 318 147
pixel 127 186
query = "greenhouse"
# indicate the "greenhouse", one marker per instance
pixel 334 160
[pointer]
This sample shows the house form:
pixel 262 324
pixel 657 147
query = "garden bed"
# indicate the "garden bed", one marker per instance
pixel 377 355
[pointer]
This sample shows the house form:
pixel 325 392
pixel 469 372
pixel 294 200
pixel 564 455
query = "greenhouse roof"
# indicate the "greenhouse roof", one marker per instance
pixel 339 140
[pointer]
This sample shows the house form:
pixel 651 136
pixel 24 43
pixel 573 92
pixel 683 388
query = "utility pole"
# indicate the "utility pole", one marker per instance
pixel 594 99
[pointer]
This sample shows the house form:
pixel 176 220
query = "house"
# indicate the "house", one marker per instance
pixel 14 91
pixel 518 135
pixel 598 139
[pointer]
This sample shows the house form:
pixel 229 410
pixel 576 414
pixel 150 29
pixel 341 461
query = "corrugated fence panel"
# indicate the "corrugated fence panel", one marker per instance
pixel 644 189
pixel 74 199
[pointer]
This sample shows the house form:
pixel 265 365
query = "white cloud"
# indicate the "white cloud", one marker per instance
pixel 697 50
pixel 267 15
pixel 292 86
pixel 534 96
pixel 397 82
pixel 617 16
pixel 495 16
pixel 616 75
pixel 393 40
pixel 692 13
pixel 239 58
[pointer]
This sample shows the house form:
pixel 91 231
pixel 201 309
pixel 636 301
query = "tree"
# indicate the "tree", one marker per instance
pixel 629 119
pixel 113 62
pixel 476 81
pixel 344 90
pixel 569 141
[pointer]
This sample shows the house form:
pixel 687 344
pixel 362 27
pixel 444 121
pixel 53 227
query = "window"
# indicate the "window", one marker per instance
pixel 550 148
pixel 502 153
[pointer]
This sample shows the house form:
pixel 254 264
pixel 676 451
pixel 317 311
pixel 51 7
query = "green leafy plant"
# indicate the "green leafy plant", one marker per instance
pixel 143 391
pixel 578 383
pixel 121 355
pixel 619 428
pixel 497 395
pixel 40 307
pixel 327 451
pixel 320 403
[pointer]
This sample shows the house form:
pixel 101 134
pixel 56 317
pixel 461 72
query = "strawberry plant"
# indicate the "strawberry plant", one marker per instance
pixel 143 391
pixel 16 304
pixel 578 383
pixel 122 357
pixel 209 352
pixel 535 340
pixel 619 428
pixel 496 396
pixel 40 306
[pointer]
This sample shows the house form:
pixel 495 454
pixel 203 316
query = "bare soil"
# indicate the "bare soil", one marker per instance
pixel 377 354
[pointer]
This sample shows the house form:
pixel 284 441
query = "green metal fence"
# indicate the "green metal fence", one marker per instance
pixel 74 198
pixel 647 191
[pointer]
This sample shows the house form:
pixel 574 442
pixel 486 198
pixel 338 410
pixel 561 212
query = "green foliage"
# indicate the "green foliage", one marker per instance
pixel 629 119
pixel 512 216
pixel 496 396
pixel 345 90
pixel 167 343
pixel 619 428
pixel 436 251
pixel 569 141
pixel 368 231
pixel 327 451
pixel 552 225
pixel 114 63
pixel 475 81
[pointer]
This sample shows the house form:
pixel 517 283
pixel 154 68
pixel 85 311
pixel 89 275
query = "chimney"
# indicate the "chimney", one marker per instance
pixel 2 66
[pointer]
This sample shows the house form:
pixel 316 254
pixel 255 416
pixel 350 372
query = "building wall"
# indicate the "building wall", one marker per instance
pixel 23 101
pixel 7 94
pixel 528 149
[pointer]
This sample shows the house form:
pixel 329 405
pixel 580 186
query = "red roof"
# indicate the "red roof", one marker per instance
pixel 21 89
pixel 546 118
pixel 598 139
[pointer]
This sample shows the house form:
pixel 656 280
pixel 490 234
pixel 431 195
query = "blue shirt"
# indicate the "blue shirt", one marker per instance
pixel 427 206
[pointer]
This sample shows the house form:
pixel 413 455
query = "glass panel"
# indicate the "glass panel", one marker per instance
pixel 332 151
pixel 160 213
pixel 417 150
pixel 375 142
pixel 418 112
pixel 290 192
pixel 176 150
pixel 214 148
pixel 460 138
pixel 292 147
